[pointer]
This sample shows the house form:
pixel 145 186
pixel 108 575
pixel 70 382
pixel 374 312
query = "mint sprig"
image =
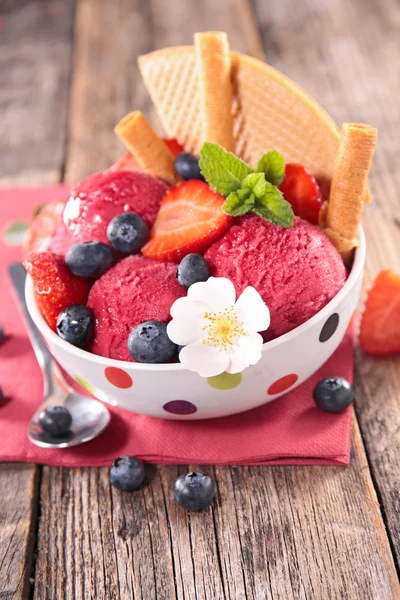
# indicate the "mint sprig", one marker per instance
pixel 246 190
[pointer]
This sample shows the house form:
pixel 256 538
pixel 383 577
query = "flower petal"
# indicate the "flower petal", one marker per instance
pixel 187 323
pixel 246 352
pixel 217 292
pixel 252 310
pixel 205 360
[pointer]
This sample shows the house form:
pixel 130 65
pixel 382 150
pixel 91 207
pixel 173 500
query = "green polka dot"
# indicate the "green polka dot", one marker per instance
pixel 85 384
pixel 225 381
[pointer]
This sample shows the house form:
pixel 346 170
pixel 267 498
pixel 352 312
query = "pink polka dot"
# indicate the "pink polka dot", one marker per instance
pixel 118 377
pixel 282 384
pixel 180 407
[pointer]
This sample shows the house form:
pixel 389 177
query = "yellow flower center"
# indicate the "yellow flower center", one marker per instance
pixel 222 328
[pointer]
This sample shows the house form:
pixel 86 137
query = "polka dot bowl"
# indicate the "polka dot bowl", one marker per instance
pixel 171 392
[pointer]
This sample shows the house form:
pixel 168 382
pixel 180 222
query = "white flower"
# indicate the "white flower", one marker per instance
pixel 218 334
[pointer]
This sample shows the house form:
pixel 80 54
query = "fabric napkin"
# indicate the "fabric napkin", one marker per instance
pixel 290 430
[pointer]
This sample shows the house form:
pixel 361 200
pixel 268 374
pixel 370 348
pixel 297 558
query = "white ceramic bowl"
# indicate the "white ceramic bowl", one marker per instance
pixel 171 392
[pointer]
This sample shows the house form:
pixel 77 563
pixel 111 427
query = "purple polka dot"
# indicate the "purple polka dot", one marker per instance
pixel 180 407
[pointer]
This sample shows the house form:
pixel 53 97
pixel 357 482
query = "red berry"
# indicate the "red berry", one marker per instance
pixel 173 144
pixel 55 286
pixel 40 233
pixel 190 219
pixel 301 190
pixel 380 321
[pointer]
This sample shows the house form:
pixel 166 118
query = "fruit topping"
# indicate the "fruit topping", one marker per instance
pixel 301 190
pixel 55 420
pixel 39 235
pixel 380 321
pixel 190 220
pixel 174 146
pixel 192 268
pixel 187 166
pixel 149 343
pixel 75 324
pixel 127 473
pixel 89 259
pixel 194 491
pixel 55 286
pixel 333 394
pixel 127 233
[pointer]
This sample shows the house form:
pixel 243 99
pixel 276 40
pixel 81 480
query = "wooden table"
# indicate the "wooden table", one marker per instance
pixel 68 73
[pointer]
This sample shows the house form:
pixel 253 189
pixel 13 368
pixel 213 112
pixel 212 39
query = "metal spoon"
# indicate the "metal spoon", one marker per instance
pixel 89 417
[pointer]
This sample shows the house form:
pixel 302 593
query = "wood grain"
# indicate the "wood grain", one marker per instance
pixel 18 512
pixel 35 52
pixel 349 68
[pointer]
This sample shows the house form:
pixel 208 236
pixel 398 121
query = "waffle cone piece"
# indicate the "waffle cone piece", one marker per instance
pixel 341 216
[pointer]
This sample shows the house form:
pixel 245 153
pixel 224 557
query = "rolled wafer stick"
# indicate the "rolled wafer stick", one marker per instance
pixel 147 148
pixel 342 217
pixel 213 62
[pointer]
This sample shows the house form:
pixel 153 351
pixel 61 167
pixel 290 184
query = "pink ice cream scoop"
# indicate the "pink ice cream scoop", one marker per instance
pixel 296 270
pixel 135 290
pixel 97 199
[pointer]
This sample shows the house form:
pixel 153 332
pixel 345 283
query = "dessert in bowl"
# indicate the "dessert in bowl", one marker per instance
pixel 189 289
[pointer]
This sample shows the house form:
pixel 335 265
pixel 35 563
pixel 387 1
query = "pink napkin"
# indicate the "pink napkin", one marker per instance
pixel 290 430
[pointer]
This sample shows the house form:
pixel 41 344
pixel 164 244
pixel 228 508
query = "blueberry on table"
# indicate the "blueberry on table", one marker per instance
pixel 75 324
pixel 194 491
pixel 55 420
pixel 333 394
pixel 149 343
pixel 127 473
pixel 192 268
pixel 127 233
pixel 89 259
pixel 187 166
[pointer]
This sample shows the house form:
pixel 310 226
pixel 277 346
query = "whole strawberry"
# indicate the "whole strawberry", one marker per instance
pixel 55 286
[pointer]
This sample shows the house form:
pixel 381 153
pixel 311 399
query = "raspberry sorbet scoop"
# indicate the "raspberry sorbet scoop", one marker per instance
pixel 135 290
pixel 296 270
pixel 97 199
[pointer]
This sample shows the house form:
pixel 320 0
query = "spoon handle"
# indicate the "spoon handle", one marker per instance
pixel 17 275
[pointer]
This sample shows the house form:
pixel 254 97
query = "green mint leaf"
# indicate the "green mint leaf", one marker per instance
pixel 273 207
pixel 13 234
pixel 38 209
pixel 238 204
pixel 223 171
pixel 256 183
pixel 272 164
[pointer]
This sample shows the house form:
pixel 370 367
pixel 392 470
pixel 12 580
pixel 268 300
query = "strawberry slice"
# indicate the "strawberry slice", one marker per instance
pixel 380 321
pixel 301 190
pixel 128 163
pixel 55 286
pixel 40 233
pixel 190 219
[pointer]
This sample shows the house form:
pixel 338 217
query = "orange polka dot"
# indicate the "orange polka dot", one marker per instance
pixel 118 377
pixel 282 384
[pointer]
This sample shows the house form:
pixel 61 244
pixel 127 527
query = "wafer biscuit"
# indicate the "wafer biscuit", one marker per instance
pixel 269 110
pixel 342 216
pixel 213 65
pixel 147 148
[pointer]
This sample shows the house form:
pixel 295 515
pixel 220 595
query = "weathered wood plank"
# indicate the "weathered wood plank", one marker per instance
pixel 349 68
pixel 18 511
pixel 35 54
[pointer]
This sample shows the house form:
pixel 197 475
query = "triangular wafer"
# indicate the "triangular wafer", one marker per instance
pixel 269 110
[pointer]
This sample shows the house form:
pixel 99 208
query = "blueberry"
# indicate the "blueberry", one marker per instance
pixel 127 473
pixel 187 166
pixel 127 233
pixel 75 324
pixel 55 420
pixel 89 259
pixel 2 334
pixel 191 269
pixel 333 394
pixel 149 343
pixel 194 491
